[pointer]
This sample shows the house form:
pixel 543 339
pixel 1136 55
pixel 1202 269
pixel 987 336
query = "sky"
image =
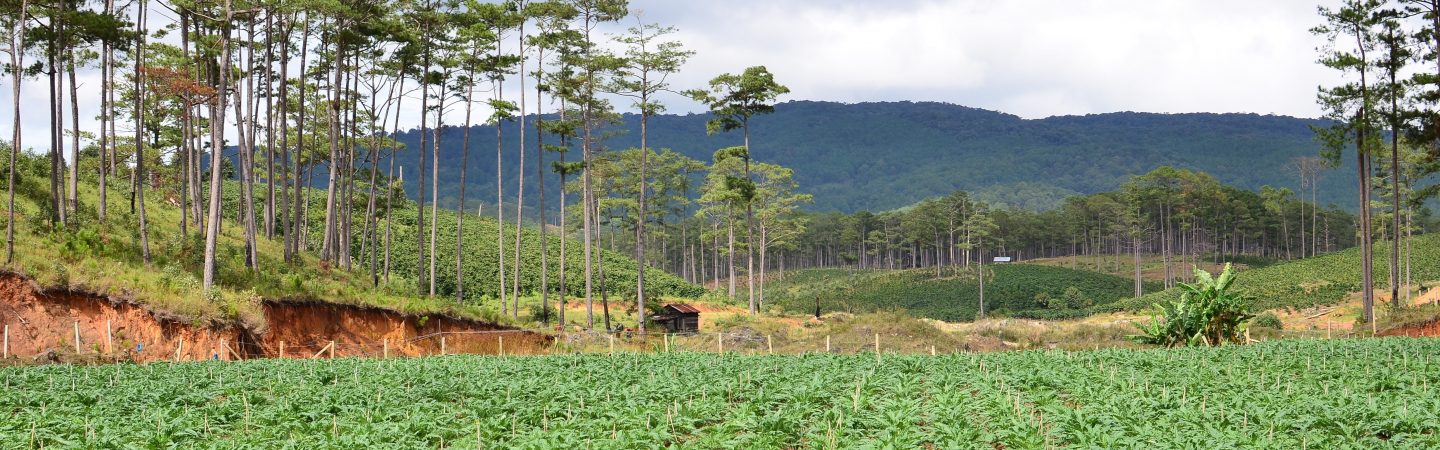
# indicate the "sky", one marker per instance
pixel 1031 58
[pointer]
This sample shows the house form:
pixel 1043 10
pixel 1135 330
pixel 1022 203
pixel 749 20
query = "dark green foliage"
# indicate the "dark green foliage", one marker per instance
pixel 1317 394
pixel 1322 280
pixel 1208 313
pixel 481 268
pixel 1267 320
pixel 1019 290
pixel 931 149
pixel 480 264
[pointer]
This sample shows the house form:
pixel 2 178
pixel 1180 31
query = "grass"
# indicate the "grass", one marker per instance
pixel 105 259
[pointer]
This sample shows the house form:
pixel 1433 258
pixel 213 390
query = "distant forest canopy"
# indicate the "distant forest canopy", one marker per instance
pixel 1186 217
pixel 883 156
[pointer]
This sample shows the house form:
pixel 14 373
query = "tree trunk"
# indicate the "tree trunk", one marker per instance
pixel 520 189
pixel 107 114
pixel 74 188
pixel 435 180
pixel 500 199
pixel 420 272
pixel 749 227
pixel 245 153
pixel 269 124
pixel 298 226
pixel 217 148
pixel 140 138
pixel 460 209
pixel 328 247
pixel 17 58
pixel 286 223
pixel 640 217
pixel 730 254
pixel 57 123
pixel 540 186
pixel 1135 250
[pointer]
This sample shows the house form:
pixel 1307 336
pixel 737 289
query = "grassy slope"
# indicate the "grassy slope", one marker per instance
pixel 106 258
pixel 1009 290
pixel 1321 280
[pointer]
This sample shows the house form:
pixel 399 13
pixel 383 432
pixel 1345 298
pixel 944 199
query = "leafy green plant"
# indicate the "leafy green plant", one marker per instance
pixel 1018 290
pixel 1305 283
pixel 1207 313
pixel 1282 394
pixel 1267 320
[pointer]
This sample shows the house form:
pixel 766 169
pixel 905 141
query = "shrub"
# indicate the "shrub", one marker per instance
pixel 1207 313
pixel 537 310
pixel 1267 320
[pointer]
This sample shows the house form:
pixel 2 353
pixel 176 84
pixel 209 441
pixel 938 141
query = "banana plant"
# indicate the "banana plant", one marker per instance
pixel 1207 313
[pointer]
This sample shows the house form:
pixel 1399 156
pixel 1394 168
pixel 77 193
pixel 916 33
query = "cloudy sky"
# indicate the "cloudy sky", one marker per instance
pixel 1033 58
pixel 1030 58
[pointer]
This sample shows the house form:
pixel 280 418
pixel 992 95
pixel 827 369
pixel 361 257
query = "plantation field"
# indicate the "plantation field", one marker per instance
pixel 1374 393
pixel 1322 280
pixel 1020 290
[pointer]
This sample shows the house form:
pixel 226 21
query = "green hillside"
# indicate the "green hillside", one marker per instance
pixel 106 258
pixel 928 149
pixel 1321 280
pixel 1010 290
pixel 481 266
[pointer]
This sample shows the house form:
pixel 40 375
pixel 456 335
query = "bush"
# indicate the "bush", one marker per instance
pixel 1268 320
pixel 537 311
pixel 1207 313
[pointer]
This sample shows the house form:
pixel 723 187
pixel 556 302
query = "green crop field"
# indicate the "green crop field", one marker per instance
pixel 1010 289
pixel 1321 280
pixel 1377 393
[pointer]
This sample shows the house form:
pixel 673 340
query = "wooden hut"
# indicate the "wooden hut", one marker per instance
pixel 678 318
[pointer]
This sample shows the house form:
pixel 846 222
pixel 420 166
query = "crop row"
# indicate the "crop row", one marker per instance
pixel 1285 394
pixel 1010 290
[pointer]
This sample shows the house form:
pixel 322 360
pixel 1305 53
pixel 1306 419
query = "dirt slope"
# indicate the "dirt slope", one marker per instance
pixel 42 325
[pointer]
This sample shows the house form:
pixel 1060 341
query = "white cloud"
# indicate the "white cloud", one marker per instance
pixel 1030 58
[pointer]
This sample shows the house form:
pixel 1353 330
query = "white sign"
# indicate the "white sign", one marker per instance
pixel 1002 259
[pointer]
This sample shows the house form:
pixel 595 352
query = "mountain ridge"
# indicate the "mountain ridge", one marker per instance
pixel 882 155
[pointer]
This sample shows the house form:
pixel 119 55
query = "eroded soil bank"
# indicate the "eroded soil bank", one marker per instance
pixel 1417 330
pixel 43 326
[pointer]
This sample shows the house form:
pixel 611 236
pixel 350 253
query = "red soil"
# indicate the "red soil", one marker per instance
pixel 42 325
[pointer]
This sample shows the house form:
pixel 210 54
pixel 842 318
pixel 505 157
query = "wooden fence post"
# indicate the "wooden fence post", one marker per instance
pixel 612 344
pixel 719 343
pixel 877 346
pixel 769 345
pixel 932 350
pixel 442 345
pixel 109 338
pixel 1327 328
pixel 666 338
pixel 502 345
pixel 827 343
pixel 179 347
pixel 77 337
pixel 385 348
pixel 332 349
pixel 282 349
pixel 7 342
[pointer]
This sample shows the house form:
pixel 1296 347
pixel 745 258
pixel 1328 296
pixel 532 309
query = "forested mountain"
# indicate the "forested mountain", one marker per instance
pixel 880 156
